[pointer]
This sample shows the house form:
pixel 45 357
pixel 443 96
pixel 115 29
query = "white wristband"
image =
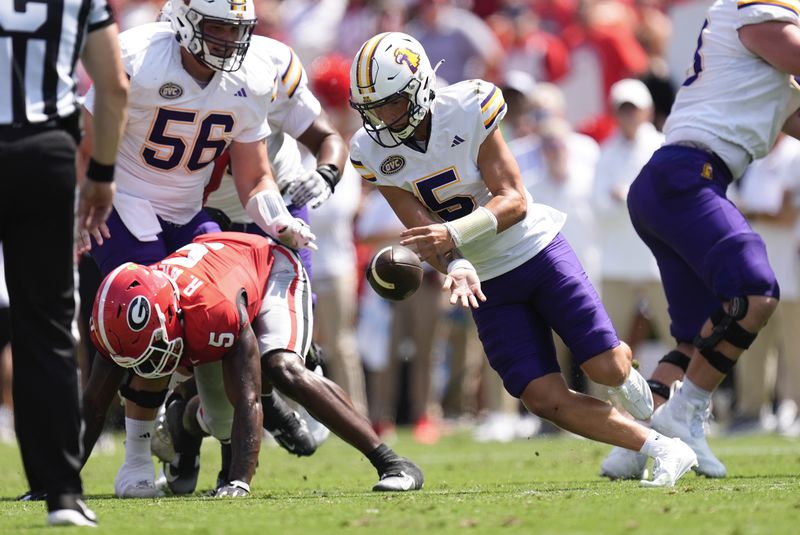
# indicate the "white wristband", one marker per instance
pixel 459 263
pixel 473 226
pixel 264 207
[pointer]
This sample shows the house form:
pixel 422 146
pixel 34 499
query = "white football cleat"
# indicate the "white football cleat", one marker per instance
pixel 136 480
pixel 680 419
pixel 634 396
pixel 622 463
pixel 675 459
pixel 402 476
pixel 161 442
pixel 80 515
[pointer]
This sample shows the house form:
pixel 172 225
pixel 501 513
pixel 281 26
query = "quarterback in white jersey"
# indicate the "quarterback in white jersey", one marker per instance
pixel 739 93
pixel 440 160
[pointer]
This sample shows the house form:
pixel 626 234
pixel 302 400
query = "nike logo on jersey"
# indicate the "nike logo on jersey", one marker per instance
pixel 240 93
pixel 456 141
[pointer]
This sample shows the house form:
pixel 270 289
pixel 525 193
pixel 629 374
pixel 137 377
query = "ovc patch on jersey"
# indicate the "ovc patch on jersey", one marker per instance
pixel 392 164
pixel 138 313
pixel 170 90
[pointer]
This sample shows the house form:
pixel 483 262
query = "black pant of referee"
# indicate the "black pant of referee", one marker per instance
pixel 37 192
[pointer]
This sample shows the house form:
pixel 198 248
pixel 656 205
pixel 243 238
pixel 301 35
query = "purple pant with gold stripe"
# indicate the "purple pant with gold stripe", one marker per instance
pixel 706 251
pixel 549 292
pixel 125 247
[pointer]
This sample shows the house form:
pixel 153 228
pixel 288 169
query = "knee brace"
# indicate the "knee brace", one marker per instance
pixel 676 358
pixel 143 398
pixel 658 388
pixel 725 327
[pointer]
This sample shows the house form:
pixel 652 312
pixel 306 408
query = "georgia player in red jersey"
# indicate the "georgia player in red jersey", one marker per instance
pixel 202 306
pixel 231 306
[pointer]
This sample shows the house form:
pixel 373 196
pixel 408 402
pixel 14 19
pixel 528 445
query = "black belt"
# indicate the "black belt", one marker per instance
pixel 13 132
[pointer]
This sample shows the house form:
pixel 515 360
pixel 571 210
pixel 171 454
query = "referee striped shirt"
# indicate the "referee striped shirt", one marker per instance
pixel 40 43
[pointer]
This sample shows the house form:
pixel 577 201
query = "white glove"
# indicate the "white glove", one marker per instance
pixel 232 489
pixel 294 232
pixel 310 188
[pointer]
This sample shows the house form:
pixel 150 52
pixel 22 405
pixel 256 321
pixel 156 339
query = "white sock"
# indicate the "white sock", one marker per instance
pixel 137 439
pixel 654 443
pixel 695 395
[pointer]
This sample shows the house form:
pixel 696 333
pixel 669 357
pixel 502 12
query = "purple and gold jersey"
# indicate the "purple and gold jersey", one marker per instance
pixel 447 180
pixel 732 100
pixel 292 109
pixel 176 126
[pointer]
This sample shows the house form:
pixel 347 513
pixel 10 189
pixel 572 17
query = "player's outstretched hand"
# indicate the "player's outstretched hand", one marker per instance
pixel 311 189
pixel 232 489
pixel 95 202
pixel 464 285
pixel 84 238
pixel 429 241
pixel 294 233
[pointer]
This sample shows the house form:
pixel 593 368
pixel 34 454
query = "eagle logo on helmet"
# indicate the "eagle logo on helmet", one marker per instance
pixel 407 57
pixel 138 313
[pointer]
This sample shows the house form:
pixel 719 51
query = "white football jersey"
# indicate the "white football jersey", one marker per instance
pixel 733 100
pixel 291 112
pixel 176 127
pixel 446 178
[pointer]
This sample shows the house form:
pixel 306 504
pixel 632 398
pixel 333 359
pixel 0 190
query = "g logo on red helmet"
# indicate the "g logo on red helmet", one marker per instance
pixel 138 313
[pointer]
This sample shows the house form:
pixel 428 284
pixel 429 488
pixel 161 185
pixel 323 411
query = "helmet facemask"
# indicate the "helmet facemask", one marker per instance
pixel 404 127
pixel 214 51
pixel 162 355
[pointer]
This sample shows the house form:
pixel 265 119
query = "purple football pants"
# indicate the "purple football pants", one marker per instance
pixel 706 251
pixel 549 292
pixel 124 247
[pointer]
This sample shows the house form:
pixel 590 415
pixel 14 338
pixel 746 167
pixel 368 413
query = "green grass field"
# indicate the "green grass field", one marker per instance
pixel 541 486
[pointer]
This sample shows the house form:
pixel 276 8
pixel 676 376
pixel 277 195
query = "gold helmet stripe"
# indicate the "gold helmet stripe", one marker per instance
pixel 365 56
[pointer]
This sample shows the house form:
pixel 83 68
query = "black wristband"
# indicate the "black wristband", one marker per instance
pixel 98 172
pixel 330 173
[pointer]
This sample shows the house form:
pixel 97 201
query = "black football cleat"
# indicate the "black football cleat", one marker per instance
pixel 33 496
pixel 400 476
pixel 287 427
pixel 181 473
pixel 71 511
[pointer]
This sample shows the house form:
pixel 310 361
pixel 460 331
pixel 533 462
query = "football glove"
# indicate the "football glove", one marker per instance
pixel 294 233
pixel 310 188
pixel 232 489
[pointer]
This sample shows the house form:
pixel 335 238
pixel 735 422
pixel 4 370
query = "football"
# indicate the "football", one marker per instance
pixel 395 272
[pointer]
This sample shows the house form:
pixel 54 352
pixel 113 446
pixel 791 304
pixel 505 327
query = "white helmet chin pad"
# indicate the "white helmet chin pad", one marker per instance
pixel 388 66
pixel 189 17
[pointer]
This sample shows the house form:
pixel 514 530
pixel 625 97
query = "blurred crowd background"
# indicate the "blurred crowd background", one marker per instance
pixel 588 84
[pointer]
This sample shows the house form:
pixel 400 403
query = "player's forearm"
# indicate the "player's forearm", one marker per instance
pixel 103 383
pixel 509 207
pixel 792 125
pixel 322 139
pixel 245 439
pixel 108 122
pixel 101 57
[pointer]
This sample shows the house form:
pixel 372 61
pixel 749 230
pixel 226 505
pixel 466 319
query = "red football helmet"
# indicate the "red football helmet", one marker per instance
pixel 136 320
pixel 330 80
